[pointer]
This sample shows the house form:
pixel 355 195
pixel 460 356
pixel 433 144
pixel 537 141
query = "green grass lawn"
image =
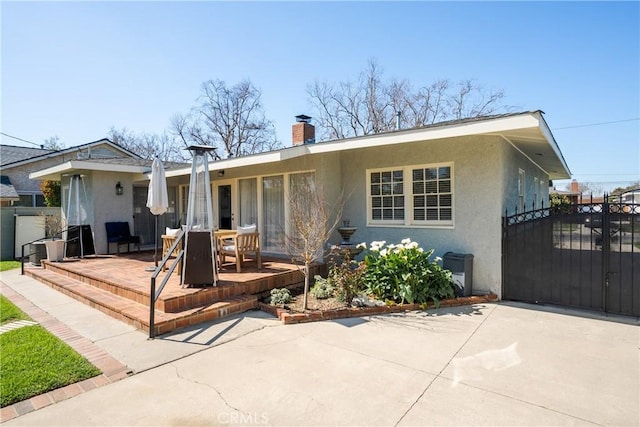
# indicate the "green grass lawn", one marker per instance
pixel 8 265
pixel 34 361
pixel 9 312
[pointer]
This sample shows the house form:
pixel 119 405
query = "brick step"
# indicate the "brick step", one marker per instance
pixel 120 288
pixel 136 285
pixel 137 314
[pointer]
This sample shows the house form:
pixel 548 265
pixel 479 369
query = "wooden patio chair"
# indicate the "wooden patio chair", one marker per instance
pixel 238 246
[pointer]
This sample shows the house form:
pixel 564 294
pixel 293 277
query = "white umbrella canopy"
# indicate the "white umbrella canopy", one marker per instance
pixel 157 199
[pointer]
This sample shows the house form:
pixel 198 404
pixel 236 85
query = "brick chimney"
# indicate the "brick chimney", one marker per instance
pixel 574 187
pixel 303 132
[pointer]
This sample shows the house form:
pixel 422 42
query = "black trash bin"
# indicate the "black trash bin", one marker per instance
pixel 38 252
pixel 461 265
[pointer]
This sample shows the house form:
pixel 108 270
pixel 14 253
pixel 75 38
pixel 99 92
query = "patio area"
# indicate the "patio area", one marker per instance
pixel 119 285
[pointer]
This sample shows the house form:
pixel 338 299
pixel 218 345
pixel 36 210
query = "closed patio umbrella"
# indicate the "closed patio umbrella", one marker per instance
pixel 157 199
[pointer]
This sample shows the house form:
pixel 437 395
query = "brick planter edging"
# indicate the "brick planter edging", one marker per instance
pixel 289 318
pixel 112 370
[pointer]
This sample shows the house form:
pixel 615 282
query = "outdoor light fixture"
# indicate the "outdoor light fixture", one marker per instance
pixel 119 189
pixel 221 173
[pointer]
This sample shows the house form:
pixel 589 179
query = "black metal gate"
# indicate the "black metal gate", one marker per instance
pixel 584 255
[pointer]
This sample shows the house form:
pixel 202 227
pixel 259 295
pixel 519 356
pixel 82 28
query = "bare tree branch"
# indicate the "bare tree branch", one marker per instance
pixel 369 104
pixel 311 221
pixel 229 118
pixel 149 145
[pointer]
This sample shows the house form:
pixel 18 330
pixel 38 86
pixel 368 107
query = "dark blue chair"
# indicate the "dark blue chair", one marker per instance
pixel 118 233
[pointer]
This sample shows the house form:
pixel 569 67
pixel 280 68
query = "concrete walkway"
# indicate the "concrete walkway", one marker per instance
pixel 495 364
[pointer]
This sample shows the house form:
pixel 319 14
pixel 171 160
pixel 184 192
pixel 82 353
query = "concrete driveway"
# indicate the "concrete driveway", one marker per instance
pixel 495 364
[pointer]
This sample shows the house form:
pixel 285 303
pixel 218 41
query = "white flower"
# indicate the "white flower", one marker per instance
pixel 383 252
pixel 405 241
pixel 412 245
pixel 362 245
pixel 420 250
pixel 376 245
pixel 437 259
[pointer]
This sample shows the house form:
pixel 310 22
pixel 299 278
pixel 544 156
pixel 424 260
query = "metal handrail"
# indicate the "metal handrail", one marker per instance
pixel 41 239
pixel 155 294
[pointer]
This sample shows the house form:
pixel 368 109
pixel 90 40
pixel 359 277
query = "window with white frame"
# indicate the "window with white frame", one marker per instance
pixel 426 199
pixel 432 194
pixel 386 192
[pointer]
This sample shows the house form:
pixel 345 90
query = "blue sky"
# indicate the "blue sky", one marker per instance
pixel 74 69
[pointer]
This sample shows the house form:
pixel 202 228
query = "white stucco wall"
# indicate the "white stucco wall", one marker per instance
pixel 485 180
pixel 477 200
pixel 513 161
pixel 326 167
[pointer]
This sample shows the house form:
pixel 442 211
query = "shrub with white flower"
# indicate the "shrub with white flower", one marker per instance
pixel 405 273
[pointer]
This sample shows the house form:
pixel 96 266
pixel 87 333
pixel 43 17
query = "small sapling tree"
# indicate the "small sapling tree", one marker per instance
pixel 311 221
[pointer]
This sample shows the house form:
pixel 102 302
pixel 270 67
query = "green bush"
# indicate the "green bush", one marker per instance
pixel 405 273
pixel 322 288
pixel 52 191
pixel 560 203
pixel 344 281
pixel 280 296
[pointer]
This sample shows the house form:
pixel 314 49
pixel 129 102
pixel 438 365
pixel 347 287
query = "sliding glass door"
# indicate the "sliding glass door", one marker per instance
pixel 273 213
pixel 248 201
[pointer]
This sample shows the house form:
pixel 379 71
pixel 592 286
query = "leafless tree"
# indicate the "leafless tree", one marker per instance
pixel 311 221
pixel 149 145
pixel 229 118
pixel 369 104
pixel 53 143
pixel 471 100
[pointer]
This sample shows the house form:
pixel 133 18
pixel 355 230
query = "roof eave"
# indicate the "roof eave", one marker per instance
pixel 71 150
pixel 490 126
pixel 546 131
pixel 55 172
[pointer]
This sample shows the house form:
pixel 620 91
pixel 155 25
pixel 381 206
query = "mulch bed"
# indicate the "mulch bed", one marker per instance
pixel 331 308
pixel 314 304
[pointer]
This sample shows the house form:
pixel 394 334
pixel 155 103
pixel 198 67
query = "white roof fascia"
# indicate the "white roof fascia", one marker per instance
pixel 491 126
pixel 251 160
pixel 87 165
pixel 426 134
pixel 544 128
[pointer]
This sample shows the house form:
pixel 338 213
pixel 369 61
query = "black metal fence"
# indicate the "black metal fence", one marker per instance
pixel 584 255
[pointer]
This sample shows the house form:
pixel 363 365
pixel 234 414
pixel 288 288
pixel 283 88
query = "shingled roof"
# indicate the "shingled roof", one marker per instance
pixel 7 191
pixel 20 155
pixel 12 154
